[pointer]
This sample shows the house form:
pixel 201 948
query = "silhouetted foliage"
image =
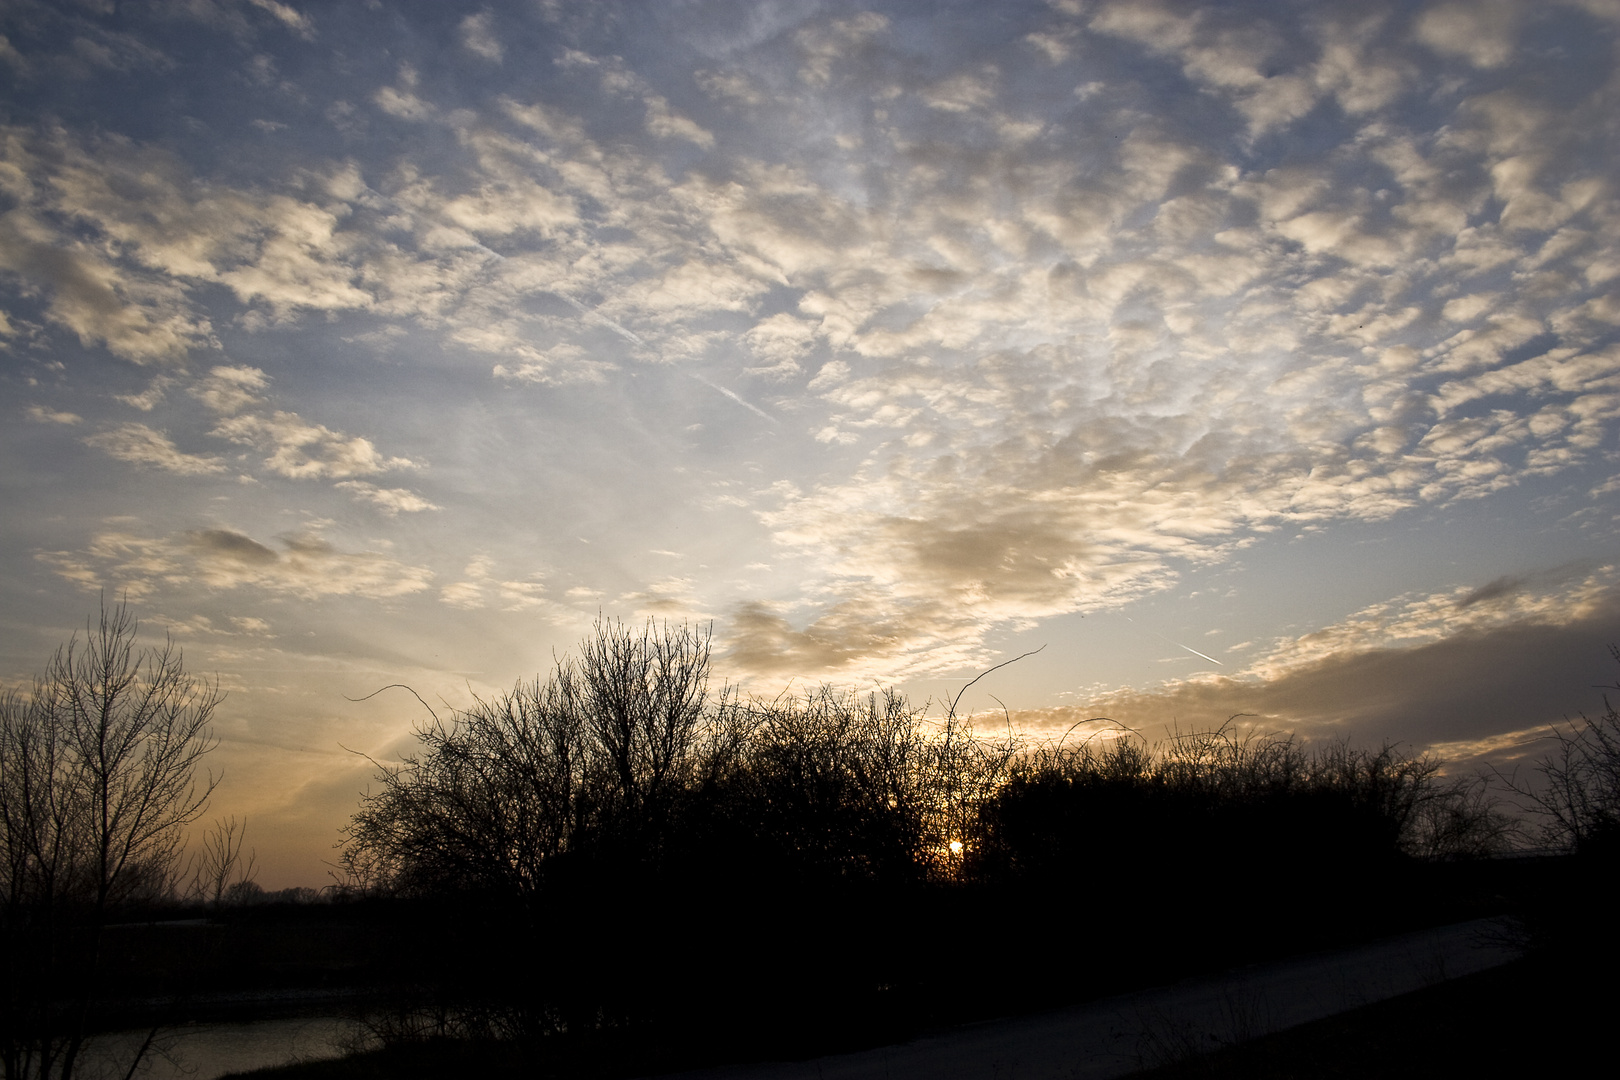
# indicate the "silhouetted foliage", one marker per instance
pixel 1221 823
pixel 595 762
pixel 1577 797
pixel 616 850
pixel 219 872
pixel 97 784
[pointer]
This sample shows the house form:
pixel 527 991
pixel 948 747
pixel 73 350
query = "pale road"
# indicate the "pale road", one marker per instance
pixel 1120 1035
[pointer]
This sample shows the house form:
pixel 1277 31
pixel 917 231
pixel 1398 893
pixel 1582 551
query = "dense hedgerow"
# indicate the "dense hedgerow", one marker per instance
pixel 619 848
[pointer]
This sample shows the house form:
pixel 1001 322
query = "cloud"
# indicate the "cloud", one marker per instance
pixel 1362 79
pixel 140 320
pixel 1432 672
pixel 403 104
pixel 1054 350
pixel 304 451
pixel 853 639
pixel 478 36
pixel 142 445
pixel 1488 696
pixel 1407 621
pixel 9 54
pixel 1483 32
pixel 284 252
pixel 43 415
pixel 662 121
pixel 778 344
pixel 665 123
pixel 481 587
pixel 669 598
pixel 301 261
pixel 302 565
pixel 147 399
pixel 1234 60
pixel 203 626
pixel 288 16
pixel 1493 590
pixel 228 390
pixel 824 46
pixel 964 91
pixel 563 363
pixel 730 86
pixel 392 501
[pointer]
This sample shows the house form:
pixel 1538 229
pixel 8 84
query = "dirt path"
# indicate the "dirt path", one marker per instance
pixel 1120 1035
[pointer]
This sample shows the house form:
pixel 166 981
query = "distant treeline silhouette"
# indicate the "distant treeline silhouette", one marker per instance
pixel 619 869
pixel 618 851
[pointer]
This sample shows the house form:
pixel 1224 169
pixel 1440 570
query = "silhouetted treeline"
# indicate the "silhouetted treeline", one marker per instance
pixel 617 857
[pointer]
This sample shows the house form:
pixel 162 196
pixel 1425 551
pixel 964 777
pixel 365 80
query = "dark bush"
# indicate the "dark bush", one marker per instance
pixel 617 857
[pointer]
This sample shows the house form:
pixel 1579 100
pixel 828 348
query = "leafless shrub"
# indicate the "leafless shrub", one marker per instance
pixel 218 870
pixel 1578 795
pixel 627 836
pixel 1464 819
pixel 599 755
pixel 97 785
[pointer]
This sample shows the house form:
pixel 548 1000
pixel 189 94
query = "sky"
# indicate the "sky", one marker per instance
pixel 1244 358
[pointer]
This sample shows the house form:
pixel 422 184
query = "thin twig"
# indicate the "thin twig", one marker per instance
pixel 987 671
pixel 394 686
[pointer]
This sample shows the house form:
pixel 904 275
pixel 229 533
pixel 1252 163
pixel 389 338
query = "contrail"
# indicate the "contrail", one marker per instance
pixel 589 313
pixel 755 409
pixel 1194 651
pixel 628 335
pixel 596 316
pixel 1177 644
pixel 592 313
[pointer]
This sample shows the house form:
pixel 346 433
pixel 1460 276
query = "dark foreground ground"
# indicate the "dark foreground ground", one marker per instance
pixel 1526 1018
pixel 805 1003
pixel 1532 1017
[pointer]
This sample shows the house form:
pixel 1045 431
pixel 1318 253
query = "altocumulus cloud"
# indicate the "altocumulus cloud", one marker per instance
pixel 306 565
pixel 942 325
pixel 1472 673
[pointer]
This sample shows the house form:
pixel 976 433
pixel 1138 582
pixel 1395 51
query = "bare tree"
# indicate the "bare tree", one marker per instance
pixel 218 869
pixel 1464 819
pixel 596 756
pixel 98 782
pixel 1578 796
pixel 642 697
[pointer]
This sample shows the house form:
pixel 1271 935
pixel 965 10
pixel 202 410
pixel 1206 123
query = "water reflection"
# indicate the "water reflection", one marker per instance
pixel 209 1051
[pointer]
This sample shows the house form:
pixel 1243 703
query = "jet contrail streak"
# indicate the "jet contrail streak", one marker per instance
pixel 735 397
pixel 589 313
pixel 629 335
pixel 592 313
pixel 1177 644
pixel 1195 652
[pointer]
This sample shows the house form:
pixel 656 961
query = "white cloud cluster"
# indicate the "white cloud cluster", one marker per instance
pixel 908 328
pixel 478 36
pixel 1071 341
pixel 480 587
pixel 1409 621
pixel 143 445
pixel 296 448
pixel 1180 384
pixel 46 415
pixel 304 565
pixel 1473 675
pixel 391 501
pixel 301 450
